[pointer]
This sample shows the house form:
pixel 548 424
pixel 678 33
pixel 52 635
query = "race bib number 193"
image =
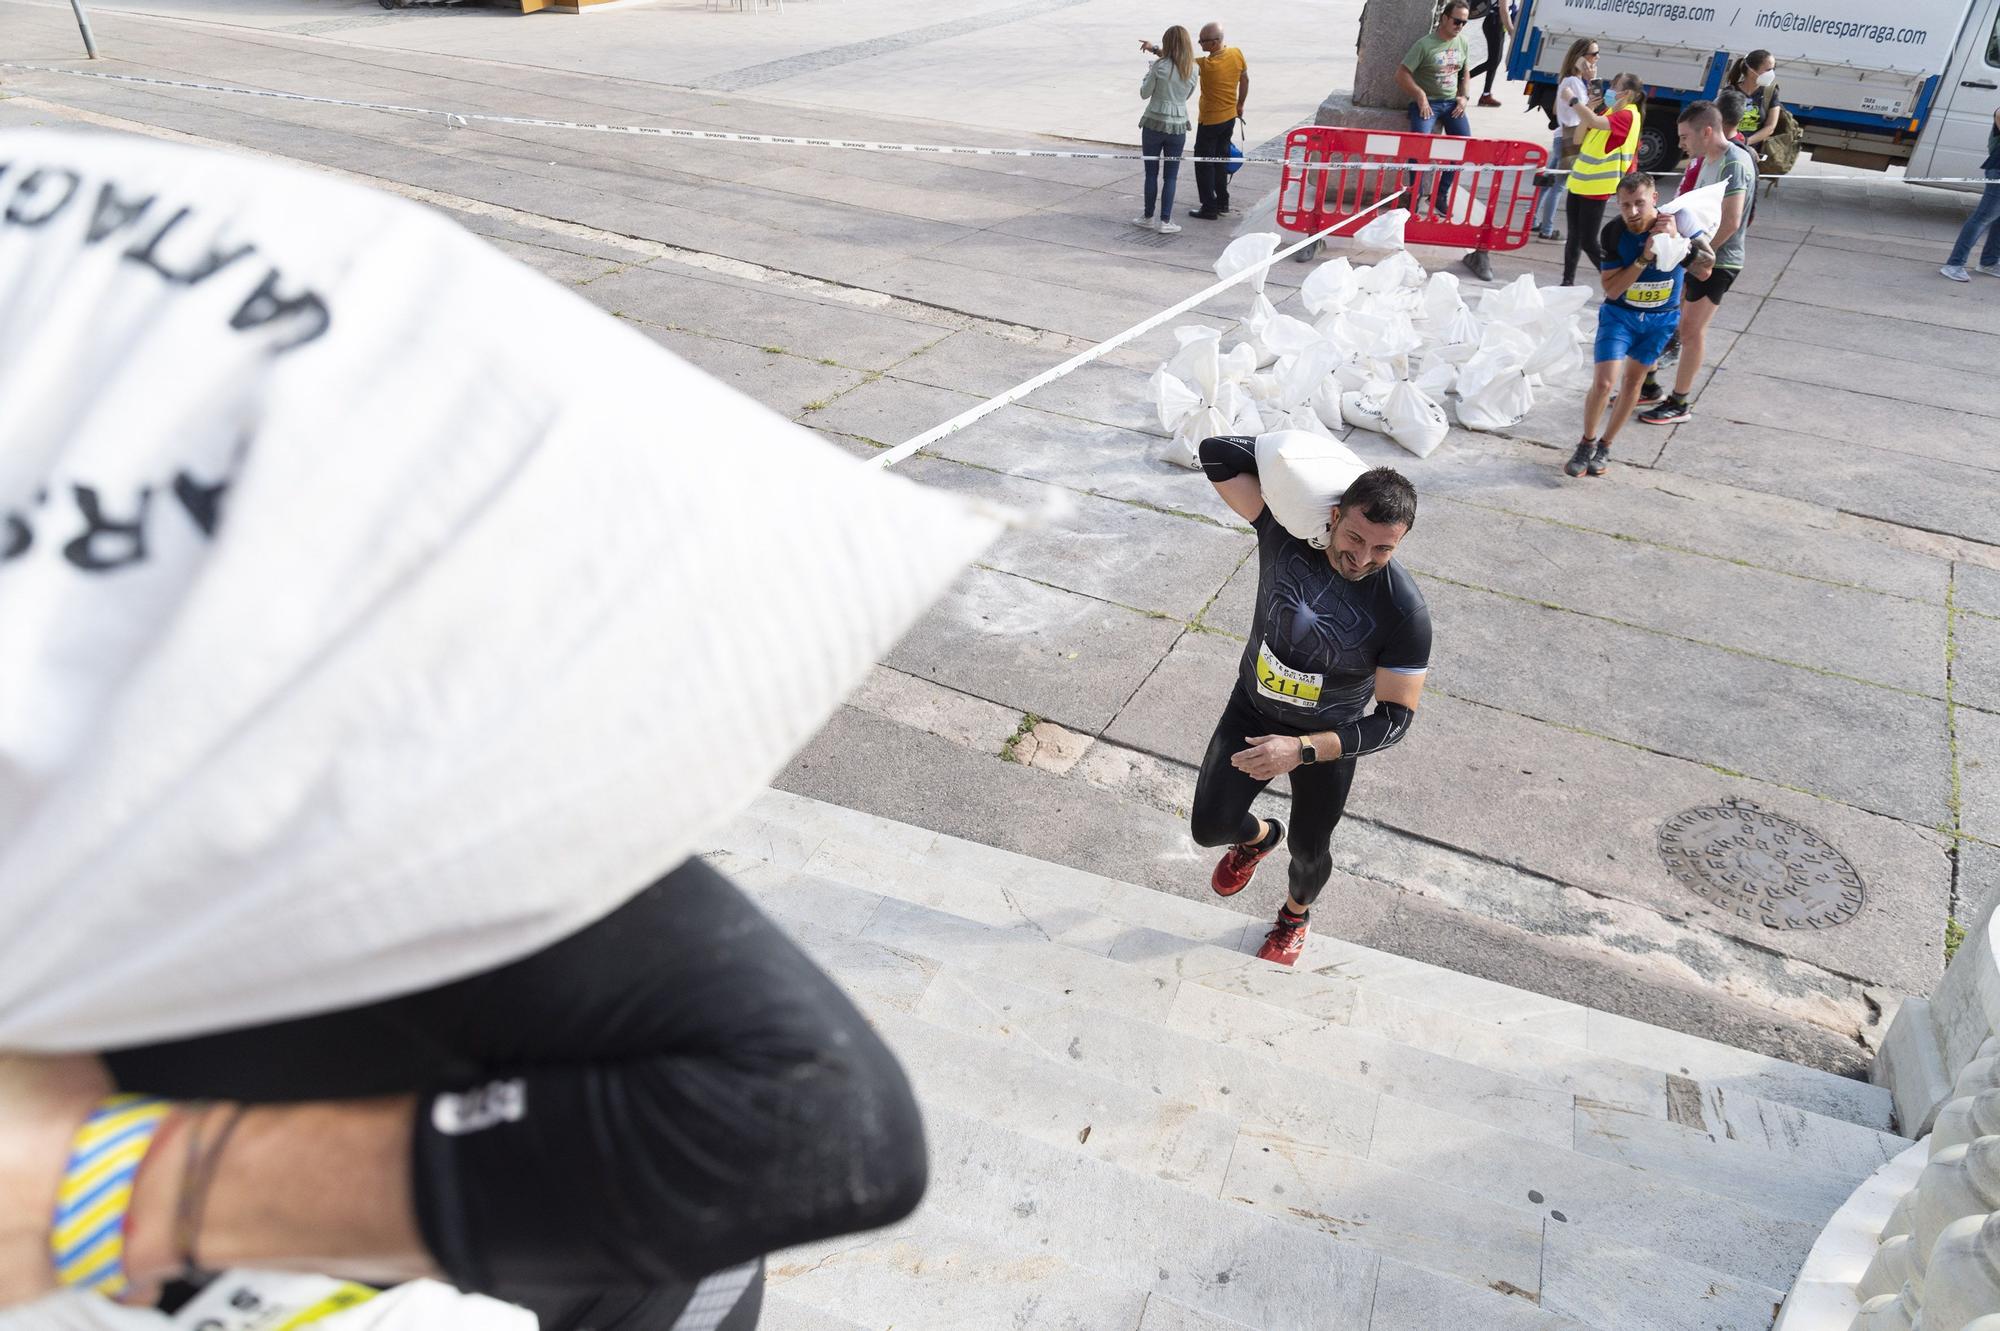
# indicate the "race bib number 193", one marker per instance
pixel 1279 681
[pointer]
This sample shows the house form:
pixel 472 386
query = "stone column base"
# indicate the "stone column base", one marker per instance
pixel 1341 109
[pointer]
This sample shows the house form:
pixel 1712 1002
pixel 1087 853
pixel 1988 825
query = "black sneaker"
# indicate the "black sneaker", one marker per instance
pixel 1581 458
pixel 1673 352
pixel 1651 392
pixel 1600 460
pixel 1205 215
pixel 1671 412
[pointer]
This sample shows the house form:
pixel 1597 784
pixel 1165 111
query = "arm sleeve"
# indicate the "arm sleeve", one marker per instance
pixel 1152 76
pixel 1407 653
pixel 675 1090
pixel 1227 456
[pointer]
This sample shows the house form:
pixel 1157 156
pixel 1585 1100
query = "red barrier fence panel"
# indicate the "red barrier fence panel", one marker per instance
pixel 1333 173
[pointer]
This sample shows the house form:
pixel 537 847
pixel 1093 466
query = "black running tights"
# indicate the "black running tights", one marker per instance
pixel 1223 794
pixel 1496 47
pixel 1586 223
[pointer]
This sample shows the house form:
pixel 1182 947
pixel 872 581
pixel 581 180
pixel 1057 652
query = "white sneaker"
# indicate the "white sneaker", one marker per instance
pixel 1145 222
pixel 1170 228
pixel 1989 269
pixel 1955 273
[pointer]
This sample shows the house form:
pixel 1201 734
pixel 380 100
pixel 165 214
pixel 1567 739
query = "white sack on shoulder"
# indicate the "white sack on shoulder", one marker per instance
pixel 1247 252
pixel 1699 211
pixel 1329 287
pixel 1385 231
pixel 1414 421
pixel 1303 475
pixel 1670 252
pixel 386 648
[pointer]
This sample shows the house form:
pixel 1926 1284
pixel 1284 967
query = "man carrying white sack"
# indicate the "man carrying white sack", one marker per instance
pixel 1333 629
pixel 1641 311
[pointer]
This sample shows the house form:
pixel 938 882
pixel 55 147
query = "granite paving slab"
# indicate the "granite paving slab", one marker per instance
pixel 786 384
pixel 1137 557
pixel 1978 590
pixel 1691 700
pixel 888 411
pixel 1881 336
pixel 1975 668
pixel 1898 425
pixel 1919 492
pixel 1866 283
pixel 1979 773
pixel 1069 658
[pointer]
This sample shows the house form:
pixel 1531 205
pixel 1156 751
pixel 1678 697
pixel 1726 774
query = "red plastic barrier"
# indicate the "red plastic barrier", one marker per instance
pixel 1333 173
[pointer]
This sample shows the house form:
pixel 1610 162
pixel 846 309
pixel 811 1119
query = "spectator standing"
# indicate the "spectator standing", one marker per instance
pixel 1579 71
pixel 1608 151
pixel 1163 126
pixel 1496 22
pixel 1703 137
pixel 1986 217
pixel 1225 88
pixel 1756 77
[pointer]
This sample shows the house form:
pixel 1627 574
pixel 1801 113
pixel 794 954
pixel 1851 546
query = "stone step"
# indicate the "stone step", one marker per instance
pixel 1454 1197
pixel 1222 1258
pixel 998 985
pixel 1076 909
pixel 794 831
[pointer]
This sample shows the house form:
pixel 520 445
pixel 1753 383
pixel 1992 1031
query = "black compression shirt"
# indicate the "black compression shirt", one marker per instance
pixel 674 1091
pixel 1317 639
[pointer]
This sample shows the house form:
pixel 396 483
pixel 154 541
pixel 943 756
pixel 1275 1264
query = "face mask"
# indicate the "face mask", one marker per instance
pixel 1767 78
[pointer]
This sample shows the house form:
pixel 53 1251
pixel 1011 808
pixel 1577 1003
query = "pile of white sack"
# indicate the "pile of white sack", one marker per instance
pixel 1389 348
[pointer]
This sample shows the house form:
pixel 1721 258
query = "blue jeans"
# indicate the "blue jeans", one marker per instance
pixel 1986 217
pixel 1157 144
pixel 1551 196
pixel 1441 124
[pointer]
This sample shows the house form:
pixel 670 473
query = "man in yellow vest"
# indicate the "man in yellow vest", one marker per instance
pixel 1609 150
pixel 1225 87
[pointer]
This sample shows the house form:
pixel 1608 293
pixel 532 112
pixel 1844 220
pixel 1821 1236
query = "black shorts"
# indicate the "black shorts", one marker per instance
pixel 1715 288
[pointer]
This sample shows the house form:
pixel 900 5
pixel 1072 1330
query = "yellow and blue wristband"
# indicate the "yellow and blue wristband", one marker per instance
pixel 87 1239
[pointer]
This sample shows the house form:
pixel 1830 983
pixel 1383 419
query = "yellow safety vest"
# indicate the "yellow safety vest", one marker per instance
pixel 1598 169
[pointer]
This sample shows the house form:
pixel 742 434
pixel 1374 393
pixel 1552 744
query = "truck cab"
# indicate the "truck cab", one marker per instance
pixel 1915 88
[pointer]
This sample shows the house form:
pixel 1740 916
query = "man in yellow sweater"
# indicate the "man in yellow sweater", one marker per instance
pixel 1225 86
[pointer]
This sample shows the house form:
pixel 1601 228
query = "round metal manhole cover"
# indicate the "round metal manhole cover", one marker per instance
pixel 1761 866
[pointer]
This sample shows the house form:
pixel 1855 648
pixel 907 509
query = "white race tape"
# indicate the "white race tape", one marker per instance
pixel 1082 358
pixel 459 119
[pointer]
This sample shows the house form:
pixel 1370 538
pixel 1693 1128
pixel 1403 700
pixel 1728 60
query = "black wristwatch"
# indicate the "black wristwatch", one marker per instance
pixel 1308 755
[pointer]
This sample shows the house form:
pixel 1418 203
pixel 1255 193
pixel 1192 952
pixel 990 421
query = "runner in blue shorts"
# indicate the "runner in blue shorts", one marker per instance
pixel 1641 310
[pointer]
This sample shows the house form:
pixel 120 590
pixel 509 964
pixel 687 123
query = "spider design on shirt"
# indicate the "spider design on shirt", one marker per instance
pixel 1313 626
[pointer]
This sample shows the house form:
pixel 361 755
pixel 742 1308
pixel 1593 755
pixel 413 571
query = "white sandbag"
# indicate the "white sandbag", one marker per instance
pixel 1670 252
pixel 1295 418
pixel 1441 298
pixel 1365 409
pixel 1399 270
pixel 1184 449
pixel 1502 348
pixel 1460 338
pixel 1413 420
pixel 1358 373
pixel 1384 231
pixel 1699 211
pixel 482 642
pixel 1198 362
pixel 1437 378
pixel 1326 404
pixel 1172 399
pixel 1329 287
pixel 1500 403
pixel 1303 476
pixel 1253 330
pixel 1559 360
pixel 1247 252
pixel 1301 375
pixel 1379 335
pixel 1560 304
pixel 1518 302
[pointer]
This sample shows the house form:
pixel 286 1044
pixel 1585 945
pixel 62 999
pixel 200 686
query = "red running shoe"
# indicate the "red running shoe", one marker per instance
pixel 1238 863
pixel 1285 941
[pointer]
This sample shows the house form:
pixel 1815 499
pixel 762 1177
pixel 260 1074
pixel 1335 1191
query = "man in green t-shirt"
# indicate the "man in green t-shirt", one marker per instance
pixel 1434 76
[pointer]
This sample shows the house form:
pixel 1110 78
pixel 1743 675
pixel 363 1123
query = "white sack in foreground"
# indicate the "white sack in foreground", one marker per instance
pixel 1303 475
pixel 372 610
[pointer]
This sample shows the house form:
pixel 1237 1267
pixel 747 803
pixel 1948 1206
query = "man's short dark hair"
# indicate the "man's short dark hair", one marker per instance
pixel 1455 5
pixel 1383 495
pixel 1701 113
pixel 1729 104
pixel 1634 181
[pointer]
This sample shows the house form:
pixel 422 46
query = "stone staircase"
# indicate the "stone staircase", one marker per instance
pixel 1136 1125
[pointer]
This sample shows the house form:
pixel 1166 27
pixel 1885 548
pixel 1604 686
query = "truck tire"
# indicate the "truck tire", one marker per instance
pixel 1660 142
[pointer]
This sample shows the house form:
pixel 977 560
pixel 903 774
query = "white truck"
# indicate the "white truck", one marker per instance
pixel 1913 83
